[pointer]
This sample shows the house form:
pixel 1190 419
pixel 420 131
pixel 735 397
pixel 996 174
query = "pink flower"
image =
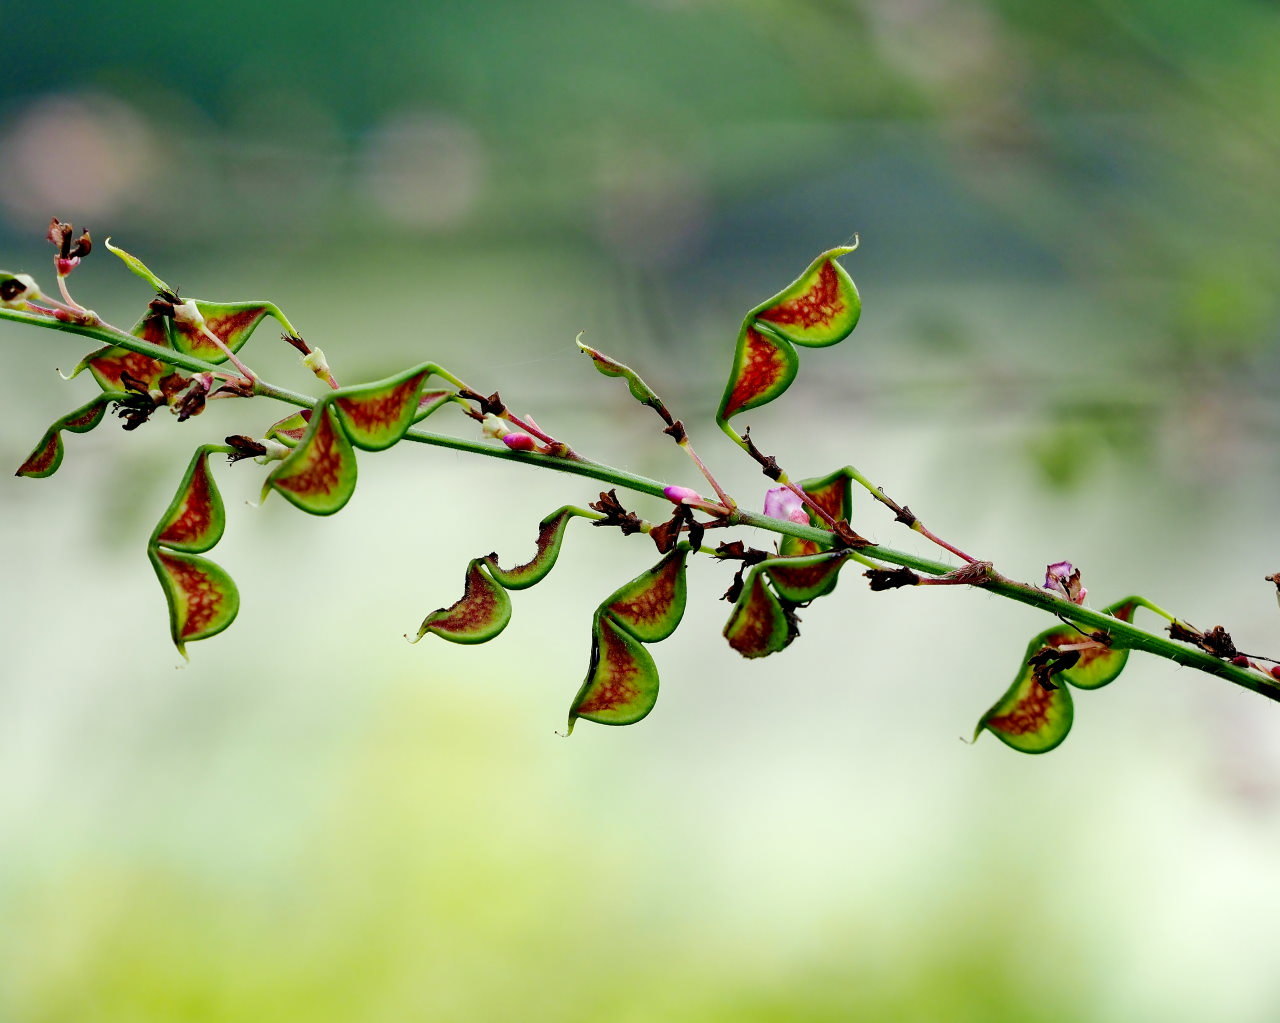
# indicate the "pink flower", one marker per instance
pixel 783 503
pixel 681 495
pixel 1063 579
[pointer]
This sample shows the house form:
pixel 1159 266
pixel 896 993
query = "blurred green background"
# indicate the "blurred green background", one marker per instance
pixel 1069 224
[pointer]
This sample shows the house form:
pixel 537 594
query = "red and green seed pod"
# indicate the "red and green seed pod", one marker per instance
pixel 1029 717
pixel 759 625
pixel 820 308
pixel 482 613
pixel 48 454
pixel 195 519
pixel 550 538
pixel 319 475
pixel 109 365
pixel 651 605
pixel 202 598
pixel 232 322
pixel 764 365
pixel 1099 664
pixel 377 415
pixel 800 580
pixel 621 686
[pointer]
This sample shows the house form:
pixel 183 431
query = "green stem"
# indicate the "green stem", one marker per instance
pixel 1122 633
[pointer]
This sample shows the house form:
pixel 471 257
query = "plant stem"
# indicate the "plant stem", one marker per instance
pixel 1124 634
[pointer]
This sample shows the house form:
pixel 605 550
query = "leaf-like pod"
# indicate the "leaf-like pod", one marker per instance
pixel 651 605
pixel 377 415
pixel 138 267
pixel 232 322
pixel 1029 717
pixel 48 454
pixel 763 367
pixel 108 365
pixel 195 519
pixel 202 598
pixel 550 537
pixel 804 579
pixel 641 391
pixel 291 429
pixel 482 613
pixel 1098 664
pixel 759 624
pixel 621 686
pixel 319 475
pixel 820 308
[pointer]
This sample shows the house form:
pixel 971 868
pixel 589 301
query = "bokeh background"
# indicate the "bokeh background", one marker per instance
pixel 1069 222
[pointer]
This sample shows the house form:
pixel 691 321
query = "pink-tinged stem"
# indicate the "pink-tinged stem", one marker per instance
pixel 898 510
pixel 74 306
pixel 810 503
pixel 919 528
pixel 725 499
pixel 231 356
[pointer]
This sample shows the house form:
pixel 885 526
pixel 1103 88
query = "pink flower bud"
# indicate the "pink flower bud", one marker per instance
pixel 681 495
pixel 783 503
pixel 519 442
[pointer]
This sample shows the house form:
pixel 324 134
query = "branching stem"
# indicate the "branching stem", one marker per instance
pixel 1123 634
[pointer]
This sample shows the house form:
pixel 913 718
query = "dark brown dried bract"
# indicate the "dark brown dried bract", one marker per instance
pixel 891 578
pixel 490 406
pixel 768 464
pixel 1049 661
pixel 245 447
pixel 848 538
pixel 1218 642
pixel 676 430
pixel 614 514
pixel 1183 634
pixel 135 409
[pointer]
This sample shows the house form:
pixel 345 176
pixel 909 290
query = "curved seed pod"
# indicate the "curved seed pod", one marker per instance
pixel 482 613
pixel 651 605
pixel 319 475
pixel 377 415
pixel 763 367
pixel 48 454
pixel 820 308
pixel 202 598
pixel 1029 717
pixel 233 322
pixel 550 537
pixel 641 391
pixel 804 579
pixel 759 624
pixel 621 686
pixel 108 365
pixel 138 267
pixel 291 429
pixel 1098 664
pixel 195 519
